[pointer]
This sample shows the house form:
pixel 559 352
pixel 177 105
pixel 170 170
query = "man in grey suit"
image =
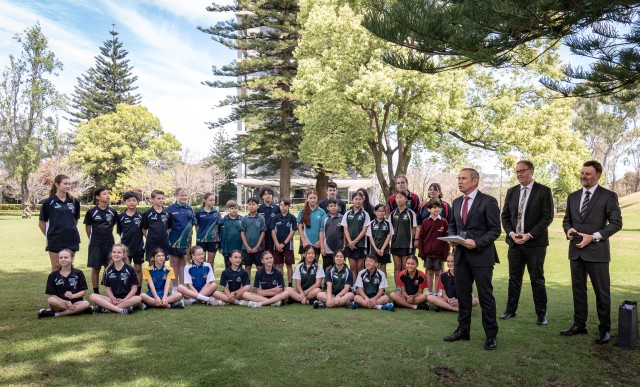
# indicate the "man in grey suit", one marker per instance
pixel 526 215
pixel 476 217
pixel 592 217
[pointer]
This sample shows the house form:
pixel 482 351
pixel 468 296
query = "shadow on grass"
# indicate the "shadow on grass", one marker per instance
pixel 297 345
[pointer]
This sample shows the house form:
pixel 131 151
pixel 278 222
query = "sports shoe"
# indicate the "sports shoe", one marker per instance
pixel 212 301
pixel 100 309
pixel 242 302
pixel 143 306
pixel 46 313
pixel 319 305
pixel 222 303
pixel 254 304
pixel 398 290
pixel 277 304
pixel 127 310
pixel 189 301
pixel 89 310
pixel 353 305
pixel 177 305
pixel 424 306
pixel 388 306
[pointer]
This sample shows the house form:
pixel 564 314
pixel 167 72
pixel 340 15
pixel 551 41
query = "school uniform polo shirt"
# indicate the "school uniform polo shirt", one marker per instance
pixel 230 234
pixel 264 280
pixel 403 223
pixel 338 279
pixel 157 225
pixel 283 225
pixel 307 275
pixel 120 281
pixel 198 275
pixel 312 232
pixel 101 222
pixel 130 230
pixel 412 285
pixel 234 279
pixel 253 226
pixel 182 221
pixel 268 213
pixel 61 217
pixel 342 206
pixel 371 282
pixel 448 284
pixel 355 222
pixel 207 223
pixel 58 285
pixel 159 276
pixel 379 231
pixel 333 234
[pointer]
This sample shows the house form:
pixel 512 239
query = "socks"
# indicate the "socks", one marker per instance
pixel 56 315
pixel 379 307
pixel 96 290
pixel 203 298
pixel 415 307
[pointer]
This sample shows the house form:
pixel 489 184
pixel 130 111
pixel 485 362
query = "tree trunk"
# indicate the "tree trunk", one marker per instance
pixel 285 176
pixel 25 192
pixel 321 183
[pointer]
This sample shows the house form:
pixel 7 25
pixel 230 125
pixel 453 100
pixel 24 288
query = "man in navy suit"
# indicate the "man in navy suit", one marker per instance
pixel 526 215
pixel 593 216
pixel 476 218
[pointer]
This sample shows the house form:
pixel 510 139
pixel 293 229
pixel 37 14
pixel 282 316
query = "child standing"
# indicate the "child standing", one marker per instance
pixel 207 222
pixel 282 229
pixel 311 223
pixel 333 234
pixel 338 282
pixel 66 288
pixel 404 223
pixel 380 232
pixel 252 230
pixel 59 216
pixel 199 281
pixel 432 250
pixel 183 218
pixel 121 285
pixel 235 281
pixel 156 224
pixel 159 277
pixel 269 285
pixel 356 223
pixel 435 193
pixel 371 284
pixel 411 282
pixel 129 227
pixel 230 232
pixel 308 276
pixel 268 210
pixel 332 193
pixel 99 222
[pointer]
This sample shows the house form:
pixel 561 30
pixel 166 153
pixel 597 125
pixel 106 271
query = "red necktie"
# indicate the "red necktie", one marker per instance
pixel 465 209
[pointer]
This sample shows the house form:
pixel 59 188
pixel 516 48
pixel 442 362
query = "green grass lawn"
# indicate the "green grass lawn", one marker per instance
pixel 297 345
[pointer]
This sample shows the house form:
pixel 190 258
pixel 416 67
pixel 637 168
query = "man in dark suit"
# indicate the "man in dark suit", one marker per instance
pixel 592 217
pixel 526 215
pixel 476 218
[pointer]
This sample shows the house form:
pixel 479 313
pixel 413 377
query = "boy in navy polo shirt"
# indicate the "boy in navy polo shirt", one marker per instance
pixel 230 232
pixel 252 230
pixel 432 250
pixel 129 227
pixel 282 229
pixel 99 222
pixel 268 210
pixel 269 285
pixel 156 223
pixel 235 281
pixel 333 234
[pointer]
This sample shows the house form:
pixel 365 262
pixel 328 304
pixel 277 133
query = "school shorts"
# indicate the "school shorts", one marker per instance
pixel 159 292
pixel 358 253
pixel 57 249
pixel 137 259
pixel 316 249
pixel 327 260
pixel 402 251
pixel 433 264
pixel 208 247
pixel 384 259
pixel 284 257
pixel 249 259
pixel 98 256
pixel 177 252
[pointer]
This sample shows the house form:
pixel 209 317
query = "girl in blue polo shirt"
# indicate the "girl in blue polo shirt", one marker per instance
pixel 311 220
pixel 59 216
pixel 183 220
pixel 207 234
pixel 159 277
pixel 199 282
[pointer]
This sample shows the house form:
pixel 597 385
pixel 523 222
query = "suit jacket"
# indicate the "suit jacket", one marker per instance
pixel 602 215
pixel 538 214
pixel 483 226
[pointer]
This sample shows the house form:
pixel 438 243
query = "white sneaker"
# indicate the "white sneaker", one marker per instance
pixel 277 304
pixel 189 301
pixel 212 301
pixel 222 303
pixel 254 304
pixel 143 306
pixel 242 302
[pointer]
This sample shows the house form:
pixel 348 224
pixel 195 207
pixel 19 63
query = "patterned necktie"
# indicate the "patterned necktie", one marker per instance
pixel 465 209
pixel 521 211
pixel 585 203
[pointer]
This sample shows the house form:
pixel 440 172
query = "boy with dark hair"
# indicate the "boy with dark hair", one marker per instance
pixel 332 193
pixel 99 222
pixel 156 223
pixel 432 250
pixel 268 210
pixel 230 232
pixel 282 229
pixel 371 284
pixel 129 227
pixel 333 234
pixel 252 230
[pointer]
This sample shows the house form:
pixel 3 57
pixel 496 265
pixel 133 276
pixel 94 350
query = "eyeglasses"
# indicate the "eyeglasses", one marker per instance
pixel 521 171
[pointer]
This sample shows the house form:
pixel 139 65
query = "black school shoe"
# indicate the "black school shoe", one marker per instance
pixel 46 313
pixel 424 306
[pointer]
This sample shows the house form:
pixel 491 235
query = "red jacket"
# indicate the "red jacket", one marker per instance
pixel 429 244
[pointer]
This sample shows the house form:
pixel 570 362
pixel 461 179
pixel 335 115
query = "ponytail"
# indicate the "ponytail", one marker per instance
pixel 306 210
pixel 56 182
pixel 206 196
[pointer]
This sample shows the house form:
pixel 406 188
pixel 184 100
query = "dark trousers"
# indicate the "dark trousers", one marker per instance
pixel 533 259
pixel 465 276
pixel 598 272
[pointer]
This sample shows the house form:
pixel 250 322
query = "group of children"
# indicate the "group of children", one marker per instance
pixel 367 236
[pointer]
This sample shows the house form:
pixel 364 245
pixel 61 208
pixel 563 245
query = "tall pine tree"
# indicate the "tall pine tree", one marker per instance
pixel 106 85
pixel 265 33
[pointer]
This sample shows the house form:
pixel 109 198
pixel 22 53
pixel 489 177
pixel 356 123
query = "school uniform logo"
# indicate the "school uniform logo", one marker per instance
pixel 73 281
pixel 70 206
pixel 124 276
pixel 164 218
pixel 109 217
pixel 238 279
pixel 59 282
pixel 274 283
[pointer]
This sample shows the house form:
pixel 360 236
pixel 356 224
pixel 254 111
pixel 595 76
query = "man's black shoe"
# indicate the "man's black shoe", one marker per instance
pixel 542 320
pixel 491 343
pixel 507 315
pixel 603 338
pixel 458 335
pixel 574 330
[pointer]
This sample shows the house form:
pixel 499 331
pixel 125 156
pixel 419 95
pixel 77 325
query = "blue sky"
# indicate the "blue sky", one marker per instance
pixel 170 56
